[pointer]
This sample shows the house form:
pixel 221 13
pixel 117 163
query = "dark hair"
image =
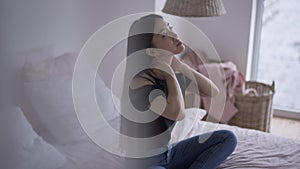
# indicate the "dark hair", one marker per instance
pixel 140 38
pixel 141 33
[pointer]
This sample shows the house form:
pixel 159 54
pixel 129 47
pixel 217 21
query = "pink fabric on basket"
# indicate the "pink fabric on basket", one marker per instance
pixel 233 81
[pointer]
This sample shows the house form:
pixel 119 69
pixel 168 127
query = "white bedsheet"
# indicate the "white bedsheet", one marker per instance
pixel 256 149
pixel 85 154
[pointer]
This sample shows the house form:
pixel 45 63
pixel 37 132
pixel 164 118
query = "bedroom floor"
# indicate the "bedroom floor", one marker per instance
pixel 285 127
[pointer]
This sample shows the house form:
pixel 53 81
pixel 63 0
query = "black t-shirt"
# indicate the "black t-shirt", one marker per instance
pixel 140 99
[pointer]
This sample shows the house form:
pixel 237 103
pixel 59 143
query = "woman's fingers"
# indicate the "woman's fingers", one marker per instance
pixel 160 66
pixel 160 54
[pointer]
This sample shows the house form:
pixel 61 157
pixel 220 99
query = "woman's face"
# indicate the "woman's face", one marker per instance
pixel 165 38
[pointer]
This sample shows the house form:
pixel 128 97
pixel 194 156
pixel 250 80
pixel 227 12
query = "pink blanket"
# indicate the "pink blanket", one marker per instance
pixel 232 79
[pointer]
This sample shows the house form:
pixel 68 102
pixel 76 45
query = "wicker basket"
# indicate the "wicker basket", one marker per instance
pixel 254 106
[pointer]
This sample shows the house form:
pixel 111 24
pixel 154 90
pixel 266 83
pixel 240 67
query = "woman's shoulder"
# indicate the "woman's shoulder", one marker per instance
pixel 142 79
pixel 139 82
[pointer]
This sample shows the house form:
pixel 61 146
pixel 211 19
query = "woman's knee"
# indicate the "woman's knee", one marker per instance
pixel 229 137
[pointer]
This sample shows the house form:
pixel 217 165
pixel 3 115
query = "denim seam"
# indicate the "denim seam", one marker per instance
pixel 213 150
pixel 207 157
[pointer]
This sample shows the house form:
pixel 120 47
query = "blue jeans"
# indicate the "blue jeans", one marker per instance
pixel 206 151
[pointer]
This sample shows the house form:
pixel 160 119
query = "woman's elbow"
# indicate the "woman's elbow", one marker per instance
pixel 214 91
pixel 180 117
pixel 175 112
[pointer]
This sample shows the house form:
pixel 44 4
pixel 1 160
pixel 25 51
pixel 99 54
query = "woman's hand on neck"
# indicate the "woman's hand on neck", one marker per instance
pixel 160 55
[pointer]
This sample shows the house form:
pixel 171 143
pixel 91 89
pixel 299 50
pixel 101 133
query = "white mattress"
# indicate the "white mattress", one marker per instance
pixel 255 150
pixel 85 154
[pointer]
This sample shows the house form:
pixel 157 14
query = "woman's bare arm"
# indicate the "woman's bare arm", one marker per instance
pixel 205 86
pixel 171 107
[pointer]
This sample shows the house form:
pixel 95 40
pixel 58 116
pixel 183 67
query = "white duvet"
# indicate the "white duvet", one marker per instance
pixel 255 150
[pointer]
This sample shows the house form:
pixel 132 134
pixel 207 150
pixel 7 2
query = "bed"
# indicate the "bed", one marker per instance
pixel 47 115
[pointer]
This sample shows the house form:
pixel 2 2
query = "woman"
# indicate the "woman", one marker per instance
pixel 156 91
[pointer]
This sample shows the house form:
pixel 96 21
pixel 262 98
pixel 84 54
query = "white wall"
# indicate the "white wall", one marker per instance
pixel 64 25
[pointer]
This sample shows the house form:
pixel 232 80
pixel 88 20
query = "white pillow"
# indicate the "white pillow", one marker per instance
pixel 22 148
pixel 41 65
pixel 49 89
pixel 53 103
pixel 57 68
pixel 183 127
pixel 32 56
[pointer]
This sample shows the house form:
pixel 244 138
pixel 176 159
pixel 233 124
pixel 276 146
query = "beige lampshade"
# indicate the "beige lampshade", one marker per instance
pixel 194 8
